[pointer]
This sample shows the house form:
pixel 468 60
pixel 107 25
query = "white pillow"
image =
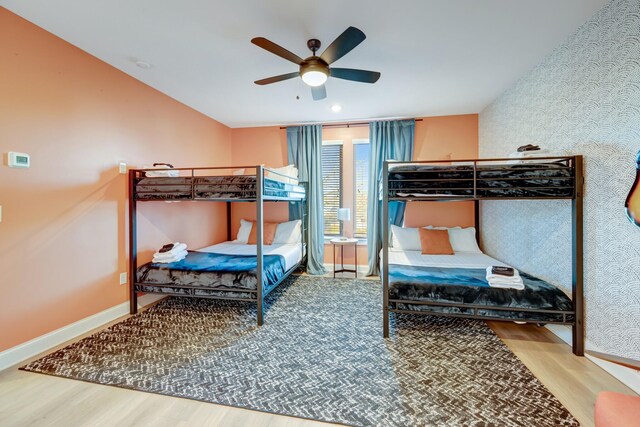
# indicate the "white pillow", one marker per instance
pixel 405 239
pixel 244 231
pixel 288 232
pixel 289 170
pixel 464 240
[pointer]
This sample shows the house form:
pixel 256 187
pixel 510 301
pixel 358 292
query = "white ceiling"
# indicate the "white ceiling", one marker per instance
pixel 437 57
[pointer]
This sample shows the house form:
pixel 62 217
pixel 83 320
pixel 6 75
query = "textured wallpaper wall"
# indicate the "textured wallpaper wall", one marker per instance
pixel 584 98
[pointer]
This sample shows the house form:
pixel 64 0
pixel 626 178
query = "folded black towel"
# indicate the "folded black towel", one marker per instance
pixel 166 248
pixel 502 271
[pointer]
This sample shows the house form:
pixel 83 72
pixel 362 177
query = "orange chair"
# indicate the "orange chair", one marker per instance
pixel 617 410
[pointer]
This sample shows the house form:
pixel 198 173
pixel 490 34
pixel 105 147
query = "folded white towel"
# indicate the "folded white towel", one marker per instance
pixel 162 171
pixel 516 286
pixel 175 258
pixel 177 248
pixel 505 282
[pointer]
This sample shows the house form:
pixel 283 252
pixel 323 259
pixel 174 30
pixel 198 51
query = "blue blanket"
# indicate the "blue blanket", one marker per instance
pixel 410 274
pixel 205 269
pixel 469 286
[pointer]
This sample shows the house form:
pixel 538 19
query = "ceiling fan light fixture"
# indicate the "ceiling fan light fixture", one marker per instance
pixel 314 78
pixel 315 70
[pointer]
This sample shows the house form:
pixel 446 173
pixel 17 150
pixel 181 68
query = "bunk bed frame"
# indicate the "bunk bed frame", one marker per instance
pixel 574 164
pixel 252 193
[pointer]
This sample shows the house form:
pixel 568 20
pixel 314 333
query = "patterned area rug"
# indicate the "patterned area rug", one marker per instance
pixel 320 355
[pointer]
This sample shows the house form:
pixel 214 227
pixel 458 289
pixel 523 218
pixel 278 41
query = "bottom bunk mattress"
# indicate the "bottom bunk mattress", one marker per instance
pixel 461 280
pixel 225 270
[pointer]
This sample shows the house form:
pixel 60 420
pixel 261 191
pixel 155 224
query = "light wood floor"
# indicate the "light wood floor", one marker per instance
pixel 29 399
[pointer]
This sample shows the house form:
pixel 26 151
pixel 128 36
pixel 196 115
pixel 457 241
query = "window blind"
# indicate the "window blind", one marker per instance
pixel 332 186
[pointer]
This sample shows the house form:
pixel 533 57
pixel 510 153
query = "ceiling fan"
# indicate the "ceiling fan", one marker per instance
pixel 315 70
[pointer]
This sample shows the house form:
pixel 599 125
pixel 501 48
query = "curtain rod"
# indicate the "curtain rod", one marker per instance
pixel 349 124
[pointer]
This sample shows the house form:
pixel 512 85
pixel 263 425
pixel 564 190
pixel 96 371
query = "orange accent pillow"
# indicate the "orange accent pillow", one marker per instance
pixel 435 242
pixel 268 233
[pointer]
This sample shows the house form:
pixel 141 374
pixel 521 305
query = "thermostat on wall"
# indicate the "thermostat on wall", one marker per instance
pixel 19 160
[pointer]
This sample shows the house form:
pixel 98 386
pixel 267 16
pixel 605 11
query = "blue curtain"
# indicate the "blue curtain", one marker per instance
pixel 305 152
pixel 390 140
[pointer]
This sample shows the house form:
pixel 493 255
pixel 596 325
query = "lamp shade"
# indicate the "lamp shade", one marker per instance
pixel 344 214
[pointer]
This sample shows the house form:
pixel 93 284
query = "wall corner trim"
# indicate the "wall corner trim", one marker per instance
pixel 627 376
pixel 43 343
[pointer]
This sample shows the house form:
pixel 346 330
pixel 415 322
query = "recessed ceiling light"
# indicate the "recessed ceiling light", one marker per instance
pixel 336 108
pixel 144 65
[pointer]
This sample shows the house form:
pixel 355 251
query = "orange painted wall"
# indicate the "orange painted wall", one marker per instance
pixel 63 230
pixel 436 138
pixel 256 146
pixel 444 138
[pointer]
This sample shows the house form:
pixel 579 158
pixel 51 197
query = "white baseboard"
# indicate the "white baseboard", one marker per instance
pixel 38 345
pixel 627 376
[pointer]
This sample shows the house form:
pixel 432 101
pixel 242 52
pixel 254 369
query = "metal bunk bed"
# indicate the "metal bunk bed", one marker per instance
pixel 488 179
pixel 201 184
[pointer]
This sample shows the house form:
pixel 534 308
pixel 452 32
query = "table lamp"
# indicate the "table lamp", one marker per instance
pixel 344 214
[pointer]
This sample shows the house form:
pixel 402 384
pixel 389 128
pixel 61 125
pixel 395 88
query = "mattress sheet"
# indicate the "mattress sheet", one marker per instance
pixel 459 260
pixel 291 252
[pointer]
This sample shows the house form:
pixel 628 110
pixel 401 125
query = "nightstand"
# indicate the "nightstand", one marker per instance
pixel 342 242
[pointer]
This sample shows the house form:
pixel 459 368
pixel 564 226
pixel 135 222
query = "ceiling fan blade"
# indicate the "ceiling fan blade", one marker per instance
pixel 318 92
pixel 363 76
pixel 345 42
pixel 276 79
pixel 276 49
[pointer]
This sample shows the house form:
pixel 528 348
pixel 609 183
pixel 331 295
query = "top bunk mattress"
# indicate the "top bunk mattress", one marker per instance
pixel 539 179
pixel 461 279
pixel 214 187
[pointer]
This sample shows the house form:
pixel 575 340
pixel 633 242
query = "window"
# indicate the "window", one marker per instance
pixel 332 186
pixel 361 180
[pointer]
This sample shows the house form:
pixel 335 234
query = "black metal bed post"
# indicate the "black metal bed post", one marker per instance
pixel 577 285
pixel 385 249
pixel 133 244
pixel 302 208
pixel 476 213
pixel 259 239
pixel 228 221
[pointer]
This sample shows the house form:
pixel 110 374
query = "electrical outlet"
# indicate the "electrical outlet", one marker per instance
pixel 123 278
pixel 122 168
